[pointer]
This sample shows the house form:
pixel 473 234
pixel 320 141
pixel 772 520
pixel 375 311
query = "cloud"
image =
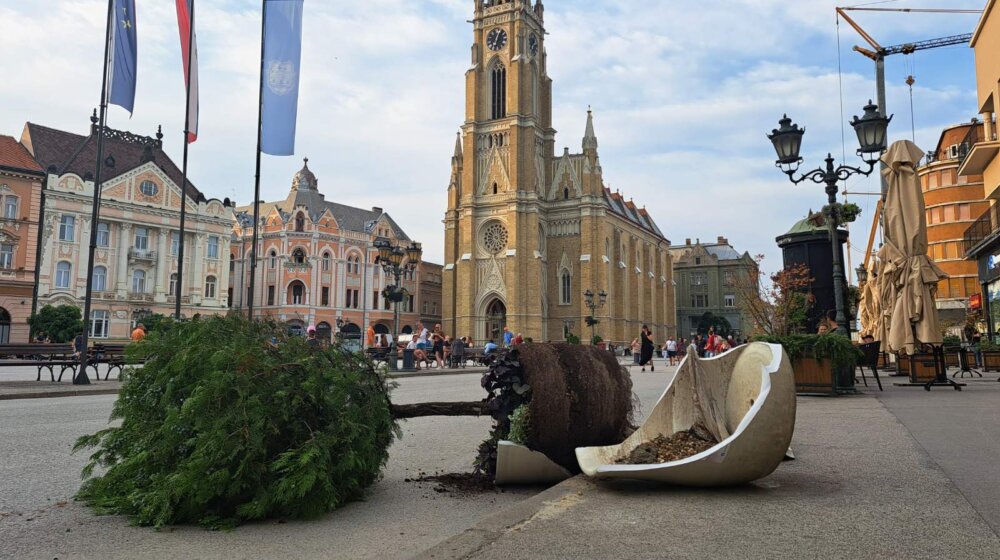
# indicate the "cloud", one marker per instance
pixel 682 95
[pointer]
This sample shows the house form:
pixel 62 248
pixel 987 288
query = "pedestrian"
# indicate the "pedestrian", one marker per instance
pixel 635 348
pixel 671 350
pixel 138 333
pixel 437 346
pixel 78 346
pixel 311 339
pixel 646 349
pixel 518 339
pixel 370 336
pixel 422 337
pixel 977 350
pixel 508 337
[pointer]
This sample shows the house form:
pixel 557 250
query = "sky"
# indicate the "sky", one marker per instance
pixel 682 92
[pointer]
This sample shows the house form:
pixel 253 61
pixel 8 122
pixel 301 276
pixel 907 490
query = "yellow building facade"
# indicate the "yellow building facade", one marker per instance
pixel 528 231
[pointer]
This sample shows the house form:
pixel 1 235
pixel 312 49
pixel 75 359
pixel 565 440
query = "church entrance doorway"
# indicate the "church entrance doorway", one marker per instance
pixel 496 320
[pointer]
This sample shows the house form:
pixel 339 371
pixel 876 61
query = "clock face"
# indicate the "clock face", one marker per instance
pixel 497 39
pixel 533 44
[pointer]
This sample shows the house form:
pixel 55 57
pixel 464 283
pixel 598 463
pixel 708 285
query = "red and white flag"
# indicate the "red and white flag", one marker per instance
pixel 185 22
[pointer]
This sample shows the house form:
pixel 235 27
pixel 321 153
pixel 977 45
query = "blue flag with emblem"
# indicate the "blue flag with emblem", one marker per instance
pixel 124 54
pixel 280 75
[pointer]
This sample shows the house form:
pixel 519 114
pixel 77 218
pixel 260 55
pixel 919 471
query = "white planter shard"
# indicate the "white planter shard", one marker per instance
pixel 746 398
pixel 516 464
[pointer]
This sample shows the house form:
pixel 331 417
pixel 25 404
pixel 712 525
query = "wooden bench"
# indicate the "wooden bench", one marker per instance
pixel 377 355
pixel 41 356
pixel 112 355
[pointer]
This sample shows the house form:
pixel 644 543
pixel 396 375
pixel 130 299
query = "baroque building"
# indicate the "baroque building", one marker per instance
pixel 135 269
pixel 316 264
pixel 20 196
pixel 527 230
pixel 708 278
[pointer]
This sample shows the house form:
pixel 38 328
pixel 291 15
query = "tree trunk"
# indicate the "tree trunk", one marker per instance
pixel 402 411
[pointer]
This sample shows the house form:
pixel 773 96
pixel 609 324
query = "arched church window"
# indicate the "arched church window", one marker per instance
pixel 273 261
pixel 567 286
pixel 494 188
pixel 565 193
pixel 498 97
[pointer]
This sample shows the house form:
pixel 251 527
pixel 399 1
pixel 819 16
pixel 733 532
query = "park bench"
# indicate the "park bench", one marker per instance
pixel 112 355
pixel 377 355
pixel 41 356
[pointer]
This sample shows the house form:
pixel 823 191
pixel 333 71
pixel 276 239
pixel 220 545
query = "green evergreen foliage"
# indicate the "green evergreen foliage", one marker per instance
pixel 572 338
pixel 222 427
pixel 834 347
pixel 61 323
pixel 520 425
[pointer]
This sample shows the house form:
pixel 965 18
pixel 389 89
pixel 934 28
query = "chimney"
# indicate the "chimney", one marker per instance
pixel 687 241
pixel 377 210
pixel 723 241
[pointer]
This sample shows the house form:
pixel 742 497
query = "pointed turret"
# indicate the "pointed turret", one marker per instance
pixel 457 157
pixel 589 138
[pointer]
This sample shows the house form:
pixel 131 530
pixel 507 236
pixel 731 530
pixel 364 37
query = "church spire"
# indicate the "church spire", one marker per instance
pixel 458 146
pixel 589 138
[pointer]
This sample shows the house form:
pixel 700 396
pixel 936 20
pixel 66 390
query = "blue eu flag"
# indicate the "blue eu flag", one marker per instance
pixel 280 75
pixel 124 53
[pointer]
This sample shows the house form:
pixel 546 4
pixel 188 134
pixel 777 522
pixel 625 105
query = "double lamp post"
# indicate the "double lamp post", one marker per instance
pixel 588 300
pixel 787 139
pixel 390 258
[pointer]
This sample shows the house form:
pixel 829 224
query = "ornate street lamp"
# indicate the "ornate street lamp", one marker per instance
pixel 871 129
pixel 390 258
pixel 862 273
pixel 588 300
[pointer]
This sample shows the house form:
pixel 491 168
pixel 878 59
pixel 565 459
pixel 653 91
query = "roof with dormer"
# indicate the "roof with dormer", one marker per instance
pixel 304 194
pixel 75 153
pixel 628 210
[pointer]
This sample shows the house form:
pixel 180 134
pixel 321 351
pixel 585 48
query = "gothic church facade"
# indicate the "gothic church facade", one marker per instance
pixel 528 231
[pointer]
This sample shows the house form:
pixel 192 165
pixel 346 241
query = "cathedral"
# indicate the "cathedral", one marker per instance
pixel 528 231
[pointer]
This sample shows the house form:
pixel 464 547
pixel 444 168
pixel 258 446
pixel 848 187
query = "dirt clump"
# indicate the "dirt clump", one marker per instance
pixel 580 397
pixel 663 449
pixel 459 484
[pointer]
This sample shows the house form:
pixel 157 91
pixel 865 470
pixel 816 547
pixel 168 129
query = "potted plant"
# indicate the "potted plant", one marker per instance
pixel 991 355
pixel 598 341
pixel 823 363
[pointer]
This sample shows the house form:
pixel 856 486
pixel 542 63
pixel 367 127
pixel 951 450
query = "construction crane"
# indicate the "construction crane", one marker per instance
pixel 878 55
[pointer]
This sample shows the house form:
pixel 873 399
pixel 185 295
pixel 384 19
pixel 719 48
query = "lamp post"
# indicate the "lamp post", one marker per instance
pixel 787 139
pixel 588 300
pixel 390 258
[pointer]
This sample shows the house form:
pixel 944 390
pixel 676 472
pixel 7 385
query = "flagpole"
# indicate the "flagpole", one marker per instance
pixel 256 188
pixel 81 377
pixel 184 171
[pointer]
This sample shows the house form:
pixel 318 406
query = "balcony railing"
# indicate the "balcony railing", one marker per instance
pixel 140 296
pixel 141 254
pixel 985 227
pixel 972 137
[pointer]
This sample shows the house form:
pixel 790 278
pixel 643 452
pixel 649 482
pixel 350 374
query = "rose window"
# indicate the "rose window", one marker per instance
pixel 495 238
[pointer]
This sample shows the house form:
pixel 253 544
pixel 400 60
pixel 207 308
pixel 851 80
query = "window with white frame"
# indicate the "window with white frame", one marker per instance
pixel 326 262
pixel 64 271
pixel 10 207
pixel 139 281
pixel 6 256
pixel 67 228
pixel 213 246
pixel 175 243
pixel 100 278
pixel 210 287
pixel 141 239
pixel 148 188
pixel 103 235
pixel 172 288
pixel 729 300
pixel 100 320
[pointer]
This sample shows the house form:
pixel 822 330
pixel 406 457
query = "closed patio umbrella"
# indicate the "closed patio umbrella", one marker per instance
pixel 868 306
pixel 908 279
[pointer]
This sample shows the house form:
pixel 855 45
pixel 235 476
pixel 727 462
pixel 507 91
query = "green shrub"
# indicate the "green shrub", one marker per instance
pixel 220 427
pixel 520 425
pixel 834 347
pixel 61 323
pixel 572 338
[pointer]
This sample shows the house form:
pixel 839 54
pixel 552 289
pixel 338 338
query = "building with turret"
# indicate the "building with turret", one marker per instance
pixel 529 230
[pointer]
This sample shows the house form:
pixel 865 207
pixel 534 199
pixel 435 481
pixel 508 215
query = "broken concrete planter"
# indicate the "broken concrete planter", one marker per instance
pixel 516 464
pixel 746 397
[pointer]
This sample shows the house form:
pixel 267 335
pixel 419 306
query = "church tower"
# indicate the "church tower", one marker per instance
pixel 494 242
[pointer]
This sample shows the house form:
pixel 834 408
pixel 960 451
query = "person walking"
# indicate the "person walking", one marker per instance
pixel 370 336
pixel 671 347
pixel 508 337
pixel 139 333
pixel 635 348
pixel 646 349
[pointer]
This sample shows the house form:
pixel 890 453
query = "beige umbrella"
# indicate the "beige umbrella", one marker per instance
pixel 910 311
pixel 868 306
